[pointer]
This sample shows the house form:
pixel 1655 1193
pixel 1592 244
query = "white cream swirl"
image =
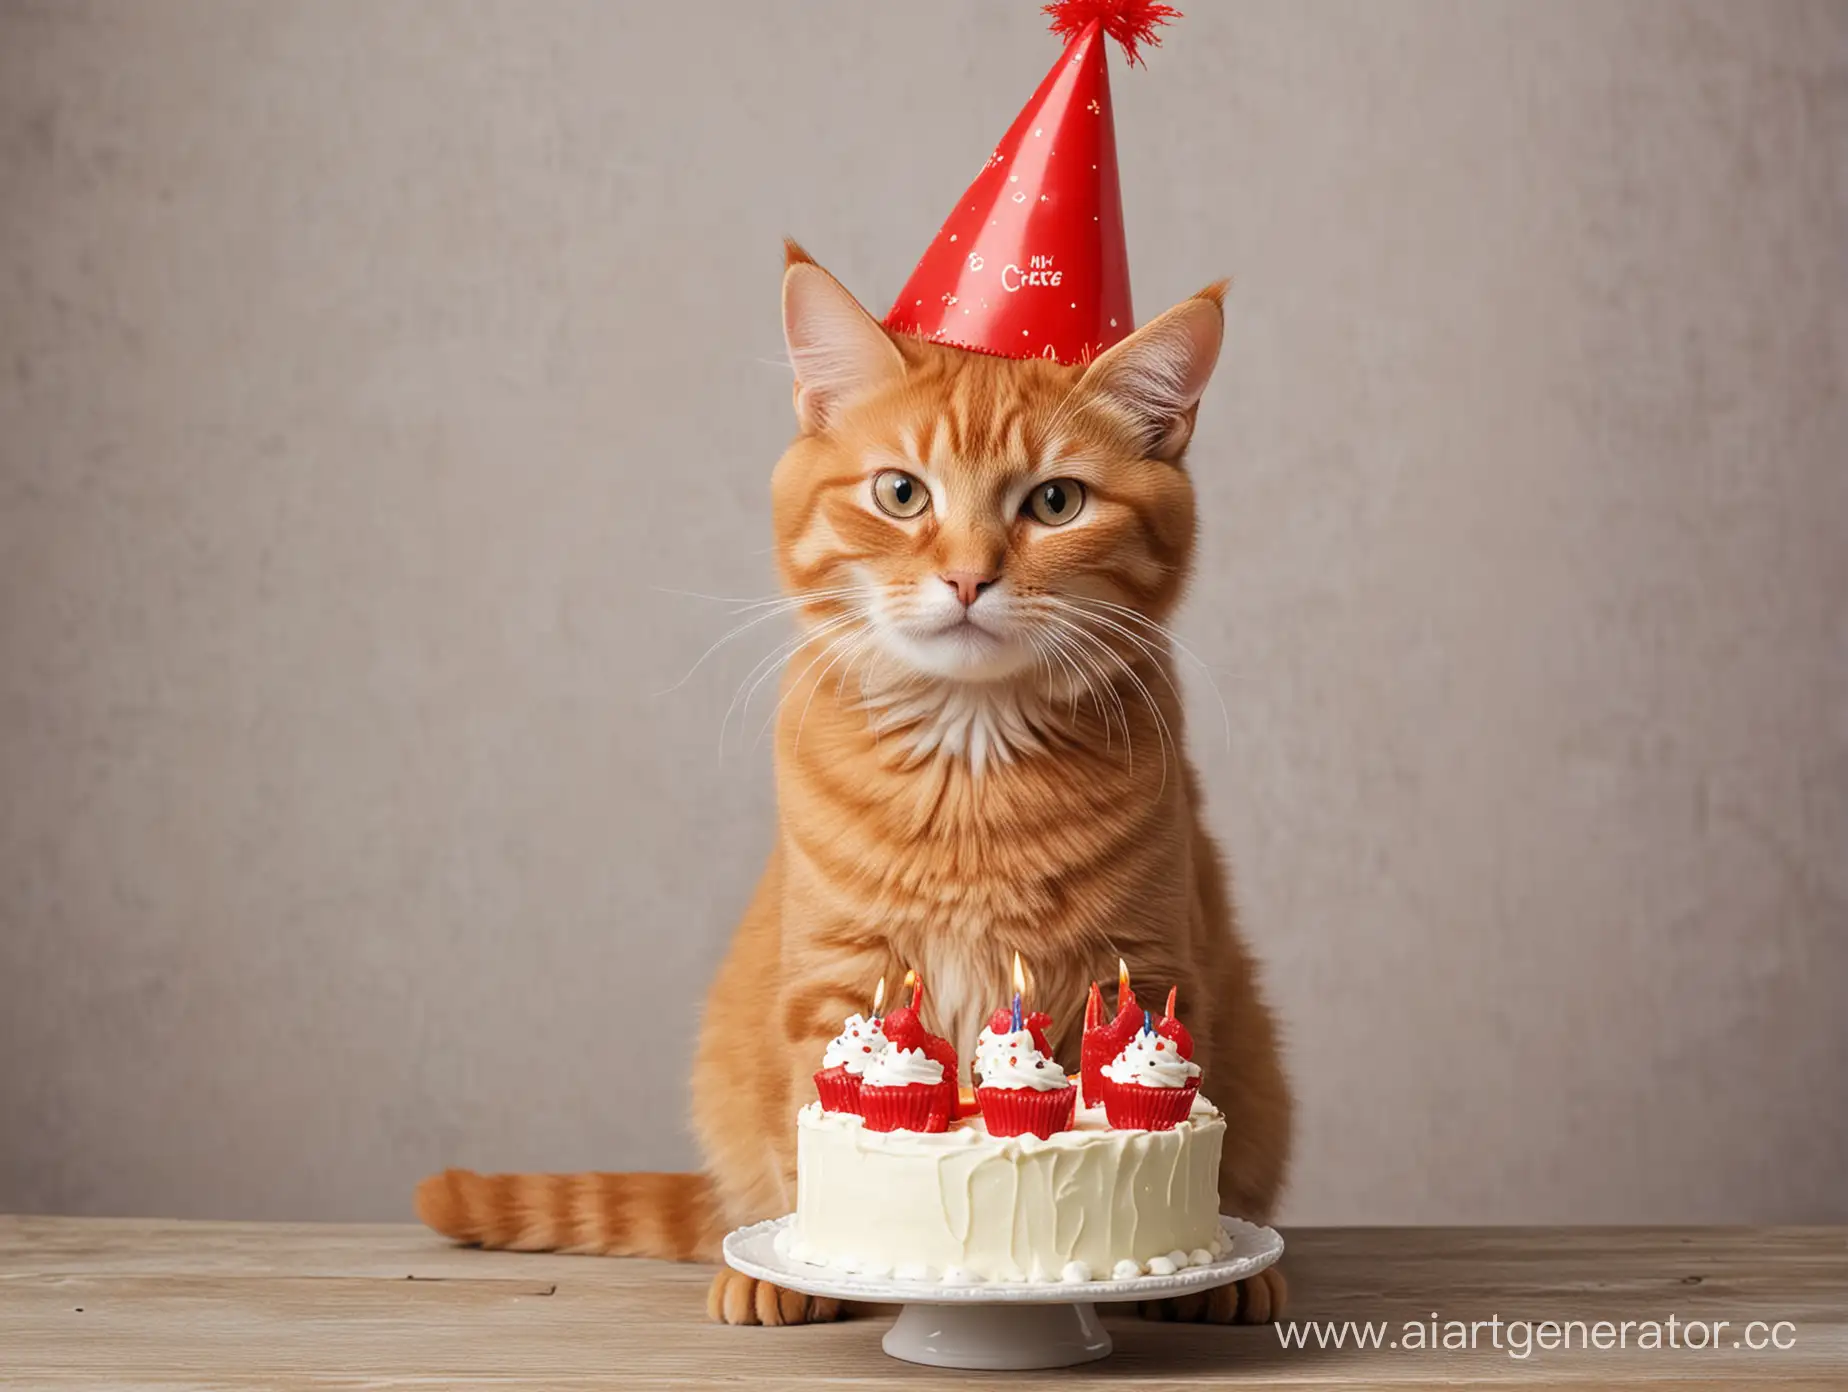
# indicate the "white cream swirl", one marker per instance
pixel 897 1067
pixel 1014 1061
pixel 984 1046
pixel 1151 1061
pixel 857 1045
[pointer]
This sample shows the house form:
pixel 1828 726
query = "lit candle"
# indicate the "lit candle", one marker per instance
pixel 879 999
pixel 1020 984
pixel 905 1030
pixel 1170 1027
pixel 1104 1040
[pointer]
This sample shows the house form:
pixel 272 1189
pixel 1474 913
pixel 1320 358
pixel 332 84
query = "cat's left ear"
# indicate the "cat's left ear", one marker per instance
pixel 839 351
pixel 1157 375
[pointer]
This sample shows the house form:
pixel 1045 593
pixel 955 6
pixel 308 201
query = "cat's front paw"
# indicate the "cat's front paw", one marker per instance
pixel 738 1299
pixel 1261 1299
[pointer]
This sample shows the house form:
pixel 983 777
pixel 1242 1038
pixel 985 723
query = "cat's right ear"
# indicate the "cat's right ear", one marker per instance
pixel 1155 377
pixel 838 350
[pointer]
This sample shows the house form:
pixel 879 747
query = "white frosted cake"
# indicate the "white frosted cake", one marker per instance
pixel 962 1206
pixel 898 1175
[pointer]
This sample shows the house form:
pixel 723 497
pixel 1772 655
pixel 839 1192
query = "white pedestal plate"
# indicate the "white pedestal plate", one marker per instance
pixel 997 1325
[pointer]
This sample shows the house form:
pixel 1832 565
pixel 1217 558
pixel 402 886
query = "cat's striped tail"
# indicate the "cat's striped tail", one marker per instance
pixel 672 1216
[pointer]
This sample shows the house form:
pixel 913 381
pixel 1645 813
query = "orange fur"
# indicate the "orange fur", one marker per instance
pixel 940 818
pixel 610 1215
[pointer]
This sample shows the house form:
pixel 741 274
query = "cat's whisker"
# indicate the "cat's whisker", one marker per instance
pixel 776 659
pixel 1104 685
pixel 796 685
pixel 1164 735
pixel 871 668
pixel 863 698
pixel 1066 652
pixel 717 598
pixel 700 661
pixel 783 606
pixel 839 637
pixel 840 682
pixel 772 661
pixel 1171 636
pixel 854 642
pixel 796 643
pixel 779 653
pixel 1163 732
pixel 1043 664
pixel 798 601
pixel 781 597
pixel 1158 658
pixel 1079 655
pixel 1137 616
pixel 1078 686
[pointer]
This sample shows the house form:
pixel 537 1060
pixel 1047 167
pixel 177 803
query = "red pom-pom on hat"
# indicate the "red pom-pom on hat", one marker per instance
pixel 1130 22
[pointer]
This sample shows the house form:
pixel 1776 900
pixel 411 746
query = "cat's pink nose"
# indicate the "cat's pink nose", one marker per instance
pixel 968 584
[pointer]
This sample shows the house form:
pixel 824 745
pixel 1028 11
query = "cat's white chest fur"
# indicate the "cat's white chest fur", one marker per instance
pixel 981 722
pixel 962 996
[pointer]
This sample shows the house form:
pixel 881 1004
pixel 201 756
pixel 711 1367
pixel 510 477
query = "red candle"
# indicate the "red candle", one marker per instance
pixel 1103 1042
pixel 1034 1022
pixel 904 1029
pixel 1171 1028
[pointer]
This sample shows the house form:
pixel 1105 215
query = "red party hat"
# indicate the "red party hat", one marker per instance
pixel 1030 262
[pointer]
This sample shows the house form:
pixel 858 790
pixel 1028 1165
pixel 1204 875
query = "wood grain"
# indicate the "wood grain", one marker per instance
pixel 102 1303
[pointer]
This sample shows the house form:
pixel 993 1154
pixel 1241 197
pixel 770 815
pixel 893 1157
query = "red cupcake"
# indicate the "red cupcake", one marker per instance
pixel 1023 1090
pixel 1151 1085
pixel 845 1063
pixel 838 1089
pixel 1025 1112
pixel 912 1085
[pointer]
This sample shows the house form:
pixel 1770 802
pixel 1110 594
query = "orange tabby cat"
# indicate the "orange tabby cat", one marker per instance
pixel 978 752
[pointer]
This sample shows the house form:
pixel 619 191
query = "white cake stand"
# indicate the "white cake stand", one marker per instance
pixel 996 1326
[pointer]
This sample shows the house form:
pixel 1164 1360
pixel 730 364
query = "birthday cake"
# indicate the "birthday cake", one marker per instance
pixel 1031 1175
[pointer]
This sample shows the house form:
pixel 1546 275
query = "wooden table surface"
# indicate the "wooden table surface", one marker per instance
pixel 92 1303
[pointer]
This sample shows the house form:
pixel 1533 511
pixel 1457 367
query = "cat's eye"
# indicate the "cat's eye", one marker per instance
pixel 898 494
pixel 1056 503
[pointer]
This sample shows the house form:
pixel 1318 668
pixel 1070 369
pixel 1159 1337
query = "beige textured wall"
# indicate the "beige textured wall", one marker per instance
pixel 365 364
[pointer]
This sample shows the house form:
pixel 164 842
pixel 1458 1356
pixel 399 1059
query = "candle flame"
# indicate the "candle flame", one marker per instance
pixel 1173 991
pixel 1122 974
pixel 1020 977
pixel 917 988
pixel 878 997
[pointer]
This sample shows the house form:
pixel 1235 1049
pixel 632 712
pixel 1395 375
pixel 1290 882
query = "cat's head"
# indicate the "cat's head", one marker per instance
pixel 969 510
